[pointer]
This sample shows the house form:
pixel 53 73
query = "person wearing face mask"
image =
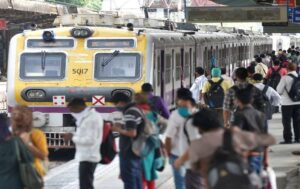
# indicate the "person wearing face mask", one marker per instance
pixel 175 133
pixel 133 123
pixel 87 139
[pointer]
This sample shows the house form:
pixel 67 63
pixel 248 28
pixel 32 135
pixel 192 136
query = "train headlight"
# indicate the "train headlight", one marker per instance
pixel 125 91
pixel 35 94
pixel 81 32
pixel 48 36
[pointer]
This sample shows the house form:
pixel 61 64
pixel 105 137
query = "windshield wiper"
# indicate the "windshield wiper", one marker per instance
pixel 112 56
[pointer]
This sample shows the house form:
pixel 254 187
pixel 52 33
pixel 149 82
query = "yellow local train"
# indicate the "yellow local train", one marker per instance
pixel 49 67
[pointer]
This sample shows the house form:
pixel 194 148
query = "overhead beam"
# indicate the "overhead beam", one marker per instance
pixel 237 14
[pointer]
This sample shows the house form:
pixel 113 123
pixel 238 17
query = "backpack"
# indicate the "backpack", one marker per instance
pixel 227 169
pixel 108 148
pixel 269 109
pixel 294 93
pixel 258 102
pixel 215 95
pixel 274 79
pixel 147 139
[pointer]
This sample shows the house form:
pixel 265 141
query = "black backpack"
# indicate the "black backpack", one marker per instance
pixel 108 148
pixel 274 79
pixel 215 95
pixel 258 101
pixel 269 109
pixel 227 169
pixel 294 93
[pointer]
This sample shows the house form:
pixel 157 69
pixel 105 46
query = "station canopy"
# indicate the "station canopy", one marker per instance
pixel 223 2
pixel 207 11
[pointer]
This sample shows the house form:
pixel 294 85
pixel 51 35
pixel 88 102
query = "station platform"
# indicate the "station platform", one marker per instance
pixel 285 164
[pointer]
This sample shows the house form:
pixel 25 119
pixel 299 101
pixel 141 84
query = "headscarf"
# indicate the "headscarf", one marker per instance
pixel 216 72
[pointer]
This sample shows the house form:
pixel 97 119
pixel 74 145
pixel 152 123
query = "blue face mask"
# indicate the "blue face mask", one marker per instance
pixel 183 111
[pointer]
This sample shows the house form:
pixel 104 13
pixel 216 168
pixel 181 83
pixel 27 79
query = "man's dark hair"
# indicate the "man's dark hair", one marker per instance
pixel 273 52
pixel 262 56
pixel 199 70
pixel 258 59
pixel 284 51
pixel 289 50
pixel 120 97
pixel 241 73
pixel 245 95
pixel 147 87
pixel 251 69
pixel 257 77
pixel 184 94
pixel 206 120
pixel 223 71
pixel 256 56
pixel 77 102
pixel 276 62
pixel 293 46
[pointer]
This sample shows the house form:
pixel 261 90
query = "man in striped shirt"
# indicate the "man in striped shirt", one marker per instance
pixel 130 164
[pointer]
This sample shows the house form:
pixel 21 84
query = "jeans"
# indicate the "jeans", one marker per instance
pixel 255 163
pixel 179 174
pixel 131 173
pixel 290 113
pixel 86 174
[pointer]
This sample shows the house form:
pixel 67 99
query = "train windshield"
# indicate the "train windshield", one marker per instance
pixel 42 65
pixel 121 66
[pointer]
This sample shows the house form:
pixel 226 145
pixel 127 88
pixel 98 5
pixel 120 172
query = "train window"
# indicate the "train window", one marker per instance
pixel 122 66
pixel 187 65
pixel 58 43
pixel 42 66
pixel 110 43
pixel 168 68
pixel 178 67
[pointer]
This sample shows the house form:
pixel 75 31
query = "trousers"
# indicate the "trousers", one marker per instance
pixel 290 113
pixel 86 174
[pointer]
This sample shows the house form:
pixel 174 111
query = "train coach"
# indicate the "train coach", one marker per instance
pixel 94 60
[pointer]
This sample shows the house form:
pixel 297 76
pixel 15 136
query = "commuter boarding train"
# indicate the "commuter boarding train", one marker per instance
pixel 93 60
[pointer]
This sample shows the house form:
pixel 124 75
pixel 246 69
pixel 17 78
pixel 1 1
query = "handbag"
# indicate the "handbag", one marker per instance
pixel 160 157
pixel 29 175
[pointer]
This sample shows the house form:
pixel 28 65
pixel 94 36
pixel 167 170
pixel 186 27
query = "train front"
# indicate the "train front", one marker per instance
pixel 47 68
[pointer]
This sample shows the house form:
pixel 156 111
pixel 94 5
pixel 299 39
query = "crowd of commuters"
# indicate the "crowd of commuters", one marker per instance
pixel 217 115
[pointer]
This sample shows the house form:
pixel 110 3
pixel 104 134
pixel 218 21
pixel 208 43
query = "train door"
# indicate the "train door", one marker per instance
pixel 177 70
pixel 168 81
pixel 157 75
pixel 192 65
pixel 162 73
pixel 182 67
pixel 173 75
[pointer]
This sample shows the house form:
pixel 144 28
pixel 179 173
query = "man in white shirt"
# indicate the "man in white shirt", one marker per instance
pixel 176 143
pixel 272 95
pixel 87 139
pixel 290 109
pixel 198 84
